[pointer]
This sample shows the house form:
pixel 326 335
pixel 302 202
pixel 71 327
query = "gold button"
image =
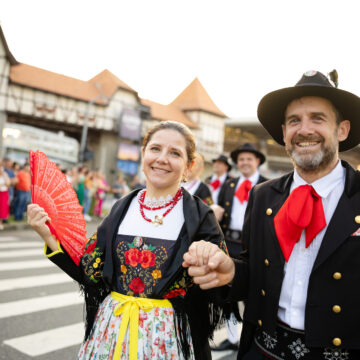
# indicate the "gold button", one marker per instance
pixel 266 261
pixel 262 292
pixel 226 214
pixel 357 219
pixel 268 211
pixel 336 341
pixel 337 276
pixel 336 309
pixel 227 203
pixel 260 322
pixel 232 185
pixel 224 226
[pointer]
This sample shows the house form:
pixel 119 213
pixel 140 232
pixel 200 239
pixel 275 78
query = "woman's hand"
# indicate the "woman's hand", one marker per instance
pixel 208 265
pixel 37 218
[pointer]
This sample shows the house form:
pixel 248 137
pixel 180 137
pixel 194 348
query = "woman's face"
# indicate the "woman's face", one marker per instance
pixel 165 161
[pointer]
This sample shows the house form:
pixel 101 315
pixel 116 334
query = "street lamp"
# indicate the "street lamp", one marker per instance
pixel 85 126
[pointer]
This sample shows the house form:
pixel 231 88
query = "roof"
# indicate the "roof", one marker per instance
pixel 168 112
pixel 195 97
pixel 45 80
pixel 8 53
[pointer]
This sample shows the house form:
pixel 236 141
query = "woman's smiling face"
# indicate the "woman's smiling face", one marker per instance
pixel 164 162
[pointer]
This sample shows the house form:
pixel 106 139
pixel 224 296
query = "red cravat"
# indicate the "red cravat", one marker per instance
pixel 242 193
pixel 303 209
pixel 215 184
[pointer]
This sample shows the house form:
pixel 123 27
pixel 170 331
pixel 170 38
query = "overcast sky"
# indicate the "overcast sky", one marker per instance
pixel 239 50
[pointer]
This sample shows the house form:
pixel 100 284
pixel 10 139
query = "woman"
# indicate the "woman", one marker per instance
pixel 4 195
pixel 131 271
pixel 194 185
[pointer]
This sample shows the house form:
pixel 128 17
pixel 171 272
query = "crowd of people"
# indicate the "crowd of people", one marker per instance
pixel 90 186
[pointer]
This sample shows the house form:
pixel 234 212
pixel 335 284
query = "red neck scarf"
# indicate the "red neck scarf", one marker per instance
pixel 215 184
pixel 303 209
pixel 242 193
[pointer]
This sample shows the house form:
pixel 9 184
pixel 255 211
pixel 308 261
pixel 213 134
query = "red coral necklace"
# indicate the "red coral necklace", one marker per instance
pixel 158 220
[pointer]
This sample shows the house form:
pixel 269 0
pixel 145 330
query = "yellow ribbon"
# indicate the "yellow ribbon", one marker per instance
pixel 130 306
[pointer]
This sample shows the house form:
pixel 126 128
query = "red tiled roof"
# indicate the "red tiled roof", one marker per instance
pixel 195 97
pixel 45 80
pixel 168 112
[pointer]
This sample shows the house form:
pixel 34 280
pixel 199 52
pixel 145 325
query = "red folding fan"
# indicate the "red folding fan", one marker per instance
pixel 51 190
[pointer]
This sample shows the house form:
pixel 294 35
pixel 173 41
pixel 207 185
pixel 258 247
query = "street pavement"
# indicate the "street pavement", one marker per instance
pixel 41 311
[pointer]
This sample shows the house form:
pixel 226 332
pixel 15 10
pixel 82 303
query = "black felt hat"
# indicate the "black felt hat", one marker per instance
pixel 225 160
pixel 250 148
pixel 271 109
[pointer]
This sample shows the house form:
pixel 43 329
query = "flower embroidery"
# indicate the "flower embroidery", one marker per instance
pixel 137 286
pixel 336 354
pixel 270 342
pixel 298 349
pixel 132 257
pixel 156 274
pixel 147 259
pixel 175 293
pixel 123 269
pixel 90 246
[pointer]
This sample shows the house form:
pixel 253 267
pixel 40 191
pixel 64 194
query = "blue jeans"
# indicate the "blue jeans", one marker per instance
pixel 21 200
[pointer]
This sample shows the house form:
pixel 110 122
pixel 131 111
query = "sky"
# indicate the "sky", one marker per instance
pixel 239 50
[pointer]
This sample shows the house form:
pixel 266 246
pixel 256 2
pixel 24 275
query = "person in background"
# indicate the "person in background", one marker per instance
pixel 140 302
pixel 230 212
pixel 301 268
pixel 22 192
pixel 194 185
pixel 221 168
pixel 4 195
pixel 102 187
pixel 88 193
pixel 119 188
pixel 136 183
pixel 8 167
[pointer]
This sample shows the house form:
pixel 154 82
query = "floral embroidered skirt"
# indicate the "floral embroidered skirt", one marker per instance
pixel 156 335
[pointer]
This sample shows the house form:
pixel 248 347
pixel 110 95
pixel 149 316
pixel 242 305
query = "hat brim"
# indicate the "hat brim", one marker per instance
pixel 234 155
pixel 225 162
pixel 271 110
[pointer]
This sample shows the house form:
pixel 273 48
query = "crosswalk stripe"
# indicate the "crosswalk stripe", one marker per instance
pixel 23 244
pixel 21 253
pixel 8 238
pixel 47 341
pixel 32 281
pixel 217 355
pixel 21 307
pixel 30 264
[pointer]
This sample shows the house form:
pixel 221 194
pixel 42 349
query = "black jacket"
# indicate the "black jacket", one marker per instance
pixel 261 267
pixel 226 198
pixel 195 306
pixel 204 193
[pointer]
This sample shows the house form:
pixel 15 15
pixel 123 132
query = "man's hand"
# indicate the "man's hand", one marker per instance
pixel 208 265
pixel 218 211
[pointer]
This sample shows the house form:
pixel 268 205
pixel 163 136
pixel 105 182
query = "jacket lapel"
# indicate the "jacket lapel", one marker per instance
pixel 282 189
pixel 342 223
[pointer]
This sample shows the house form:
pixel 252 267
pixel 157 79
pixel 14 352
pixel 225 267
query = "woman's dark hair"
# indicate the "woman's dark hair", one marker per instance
pixel 181 128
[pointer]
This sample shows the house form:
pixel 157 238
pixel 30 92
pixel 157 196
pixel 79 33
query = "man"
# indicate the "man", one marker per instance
pixel 230 212
pixel 234 195
pixel 8 167
pixel 194 185
pixel 301 270
pixel 221 168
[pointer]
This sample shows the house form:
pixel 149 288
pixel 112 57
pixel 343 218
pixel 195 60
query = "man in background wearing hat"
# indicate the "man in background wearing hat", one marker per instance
pixel 301 271
pixel 221 168
pixel 230 212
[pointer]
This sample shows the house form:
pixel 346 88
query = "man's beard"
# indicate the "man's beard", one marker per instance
pixel 308 161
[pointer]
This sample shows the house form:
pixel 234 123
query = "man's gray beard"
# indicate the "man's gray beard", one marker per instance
pixel 310 162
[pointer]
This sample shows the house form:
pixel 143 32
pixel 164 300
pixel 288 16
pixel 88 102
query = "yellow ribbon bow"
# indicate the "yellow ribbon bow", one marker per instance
pixel 129 307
